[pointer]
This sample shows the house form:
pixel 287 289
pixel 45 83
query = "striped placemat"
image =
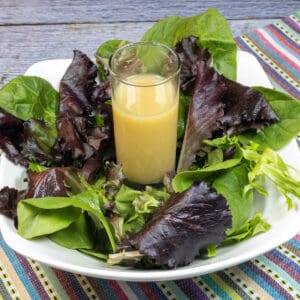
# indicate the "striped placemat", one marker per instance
pixel 275 275
pixel 277 47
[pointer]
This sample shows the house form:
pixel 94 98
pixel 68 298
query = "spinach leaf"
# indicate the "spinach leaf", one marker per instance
pixel 34 101
pixel 231 185
pixel 279 134
pixel 76 236
pixel 41 216
pixel 212 30
pixel 30 97
pixel 94 253
pixel 34 221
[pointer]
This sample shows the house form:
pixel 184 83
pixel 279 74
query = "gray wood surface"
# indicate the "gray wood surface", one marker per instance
pixel 21 46
pixel 107 11
pixel 35 30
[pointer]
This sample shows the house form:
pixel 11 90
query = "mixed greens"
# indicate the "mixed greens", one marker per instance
pixel 78 197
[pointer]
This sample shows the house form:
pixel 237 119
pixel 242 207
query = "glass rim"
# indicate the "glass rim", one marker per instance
pixel 135 44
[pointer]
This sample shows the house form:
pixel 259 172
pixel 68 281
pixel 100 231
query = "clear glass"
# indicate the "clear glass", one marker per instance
pixel 145 93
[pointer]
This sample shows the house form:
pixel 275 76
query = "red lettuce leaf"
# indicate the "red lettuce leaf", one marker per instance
pixel 189 53
pixel 245 108
pixel 39 139
pixel 9 198
pixel 57 182
pixel 206 107
pixel 11 137
pixel 81 143
pixel 218 106
pixel 76 86
pixel 187 223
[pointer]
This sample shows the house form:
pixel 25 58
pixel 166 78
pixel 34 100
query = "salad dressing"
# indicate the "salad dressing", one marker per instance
pixel 145 110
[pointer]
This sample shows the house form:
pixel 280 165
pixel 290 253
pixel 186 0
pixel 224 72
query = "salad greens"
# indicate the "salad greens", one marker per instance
pixel 278 134
pixel 34 100
pixel 30 97
pixel 212 30
pixel 227 137
pixel 237 177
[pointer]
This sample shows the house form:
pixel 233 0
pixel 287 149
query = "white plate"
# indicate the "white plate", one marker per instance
pixel 285 224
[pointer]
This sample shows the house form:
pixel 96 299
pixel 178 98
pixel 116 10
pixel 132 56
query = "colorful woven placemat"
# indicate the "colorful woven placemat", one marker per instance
pixel 275 275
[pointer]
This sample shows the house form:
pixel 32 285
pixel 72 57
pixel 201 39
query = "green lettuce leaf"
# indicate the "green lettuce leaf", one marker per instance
pixel 134 207
pixel 269 164
pixel 103 54
pixel 212 30
pixel 106 49
pixel 231 185
pixel 185 179
pixel 278 134
pixel 250 228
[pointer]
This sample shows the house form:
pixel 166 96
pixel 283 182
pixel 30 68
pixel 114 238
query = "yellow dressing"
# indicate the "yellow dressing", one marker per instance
pixel 145 126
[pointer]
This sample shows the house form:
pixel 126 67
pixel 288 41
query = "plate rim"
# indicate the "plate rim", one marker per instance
pixel 147 275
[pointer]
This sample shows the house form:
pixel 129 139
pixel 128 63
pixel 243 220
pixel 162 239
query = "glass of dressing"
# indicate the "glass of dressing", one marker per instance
pixel 145 96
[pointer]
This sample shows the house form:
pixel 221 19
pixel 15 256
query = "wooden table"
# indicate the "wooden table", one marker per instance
pixel 31 30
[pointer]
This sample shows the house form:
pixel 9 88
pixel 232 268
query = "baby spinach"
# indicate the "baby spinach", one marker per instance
pixel 30 97
pixel 37 218
pixel 34 101
pixel 42 216
pixel 76 236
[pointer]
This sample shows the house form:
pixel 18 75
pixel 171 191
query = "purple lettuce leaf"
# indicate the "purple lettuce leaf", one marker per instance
pixel 76 86
pixel 56 182
pixel 189 53
pixel 39 139
pixel 81 142
pixel 9 198
pixel 11 137
pixel 206 107
pixel 187 223
pixel 218 106
pixel 245 108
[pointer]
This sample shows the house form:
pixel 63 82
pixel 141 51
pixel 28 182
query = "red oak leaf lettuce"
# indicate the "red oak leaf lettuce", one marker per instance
pixel 81 142
pixel 205 108
pixel 245 108
pixel 187 223
pixel 218 106
pixel 9 198
pixel 57 182
pixel 11 137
